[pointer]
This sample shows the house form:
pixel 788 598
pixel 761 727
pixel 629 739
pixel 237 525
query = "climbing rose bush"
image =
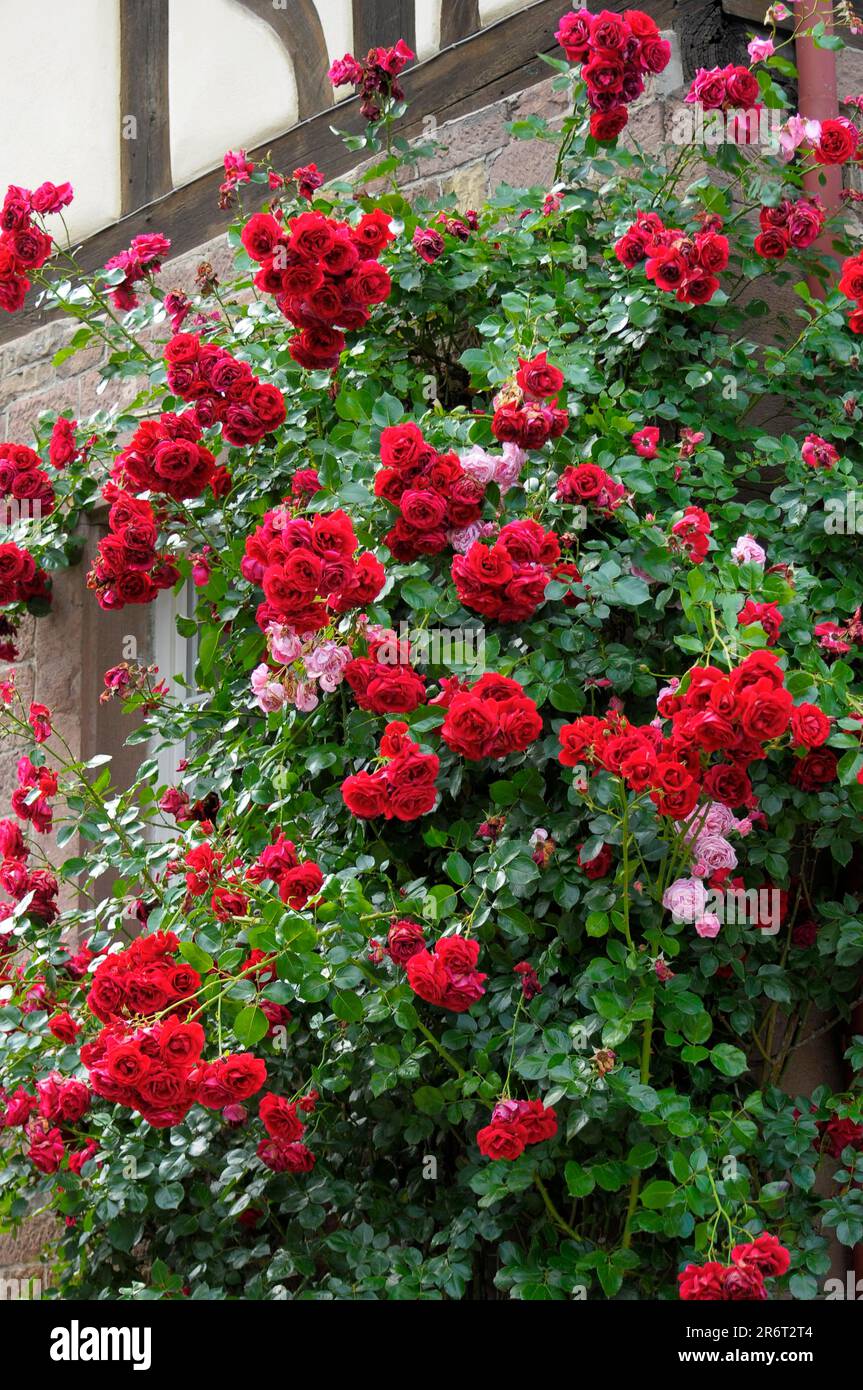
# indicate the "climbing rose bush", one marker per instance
pixel 514 854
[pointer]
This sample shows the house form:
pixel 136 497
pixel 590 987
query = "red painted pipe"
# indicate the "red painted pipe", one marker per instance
pixel 818 100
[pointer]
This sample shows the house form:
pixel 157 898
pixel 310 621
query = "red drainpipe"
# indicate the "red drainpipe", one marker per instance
pixel 818 100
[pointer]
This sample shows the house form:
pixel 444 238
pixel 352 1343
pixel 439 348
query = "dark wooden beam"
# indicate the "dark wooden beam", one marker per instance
pixel 299 30
pixel 479 70
pixel 145 131
pixel 458 19
pixel 380 23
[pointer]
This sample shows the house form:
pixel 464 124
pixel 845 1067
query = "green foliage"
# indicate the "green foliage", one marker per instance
pixel 682 1142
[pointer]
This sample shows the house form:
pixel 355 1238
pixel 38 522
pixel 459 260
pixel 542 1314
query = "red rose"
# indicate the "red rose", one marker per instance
pixel 402 445
pixel 702 1283
pixel 810 726
pixel 63 1027
pixel 370 283
pixel 243 1075
pixel 311 235
pixel 280 1119
pixel 285 1158
pixel 729 784
pixel 365 794
pixel 766 1254
pixel 574 35
pixel 372 232
pixel 741 88
pixel 501 1141
pixel 837 142
pixel 606 125
pixel 773 244
pixel 814 771
pixel 537 378
pixel 743 1283
pixel 469 727
pixel 404 940
pixel 317 348
pixel 409 801
pixel 422 509
pixel 765 711
pixel 298 885
pixel 261 235
pixel 392 690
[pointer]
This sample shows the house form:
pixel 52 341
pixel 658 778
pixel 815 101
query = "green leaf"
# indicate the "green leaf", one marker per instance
pixel 579 1181
pixel 658 1194
pixel 250 1025
pixel 458 868
pixel 198 959
pixel 169 1197
pixel 728 1060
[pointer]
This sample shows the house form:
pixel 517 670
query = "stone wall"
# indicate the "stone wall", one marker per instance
pixel 64 655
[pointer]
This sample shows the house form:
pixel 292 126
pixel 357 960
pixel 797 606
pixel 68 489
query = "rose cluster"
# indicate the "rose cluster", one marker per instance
pixel 691 534
pixel 224 390
pixel 526 412
pixel 308 569
pixel 790 225
pixel 36 809
pixel 60 1102
pixel 23 244
pixel 507 580
pixel 325 276
pixel 616 52
pixel 742 1280
pixel 19 881
pixel 142 259
pixel 376 78
pixel 297 880
pixel 283 1151
pixel 489 719
pixel 21 580
pixel 23 478
pixel 514 1124
pixel 403 789
pixel 300 671
pixel 127 568
pixel 678 262
pixel 63 447
pixel 447 975
pixel 384 686
pixel 158 1071
pixel 733 714
pixel 732 88
pixel 435 495
pixel 205 873
pixel 145 978
pixel 166 456
pixel 586 484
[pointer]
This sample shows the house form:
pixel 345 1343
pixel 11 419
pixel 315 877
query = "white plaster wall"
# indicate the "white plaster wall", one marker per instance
pixel 490 10
pixel 337 19
pixel 427 27
pixel 60 103
pixel 231 84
